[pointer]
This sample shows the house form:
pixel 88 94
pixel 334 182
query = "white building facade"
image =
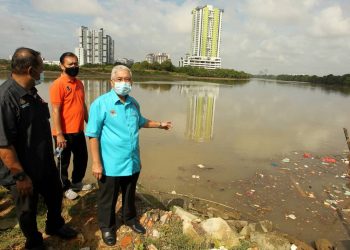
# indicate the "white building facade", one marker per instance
pixel 95 47
pixel 206 38
pixel 157 57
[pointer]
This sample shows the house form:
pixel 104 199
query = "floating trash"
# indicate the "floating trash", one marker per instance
pixel 286 160
pixel 329 160
pixel 195 176
pixel 200 166
pixel 307 155
pixel 291 216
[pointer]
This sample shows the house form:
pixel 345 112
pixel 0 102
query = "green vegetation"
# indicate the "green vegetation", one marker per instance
pixel 329 80
pixel 190 71
pixel 145 69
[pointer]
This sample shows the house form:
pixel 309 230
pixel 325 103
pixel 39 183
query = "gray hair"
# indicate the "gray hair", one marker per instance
pixel 119 68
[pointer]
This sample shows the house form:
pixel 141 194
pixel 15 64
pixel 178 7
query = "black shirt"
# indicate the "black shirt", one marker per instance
pixel 24 124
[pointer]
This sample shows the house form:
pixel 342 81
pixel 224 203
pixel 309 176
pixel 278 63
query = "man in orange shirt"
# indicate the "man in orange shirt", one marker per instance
pixel 69 113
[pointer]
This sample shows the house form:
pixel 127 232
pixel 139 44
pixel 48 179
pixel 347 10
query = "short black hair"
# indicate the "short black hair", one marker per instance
pixel 67 54
pixel 23 58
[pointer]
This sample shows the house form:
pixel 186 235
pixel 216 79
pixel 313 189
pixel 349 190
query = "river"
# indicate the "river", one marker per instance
pixel 237 132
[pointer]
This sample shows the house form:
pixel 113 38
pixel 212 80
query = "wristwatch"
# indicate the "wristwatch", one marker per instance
pixel 19 176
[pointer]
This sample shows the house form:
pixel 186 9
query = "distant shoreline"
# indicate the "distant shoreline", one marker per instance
pixel 139 76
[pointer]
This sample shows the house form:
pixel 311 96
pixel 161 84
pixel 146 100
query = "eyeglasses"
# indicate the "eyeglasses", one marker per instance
pixel 122 79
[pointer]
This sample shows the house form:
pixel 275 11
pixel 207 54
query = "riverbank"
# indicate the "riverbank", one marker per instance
pixel 318 206
pixel 139 76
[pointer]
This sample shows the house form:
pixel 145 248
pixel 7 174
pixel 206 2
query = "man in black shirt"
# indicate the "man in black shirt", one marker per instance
pixel 27 165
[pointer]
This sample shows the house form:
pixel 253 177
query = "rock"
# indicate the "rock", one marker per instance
pixel 126 241
pixel 269 241
pixel 188 229
pixel 165 217
pixel 151 247
pixel 300 244
pixel 247 230
pixel 176 202
pixel 184 215
pixel 7 223
pixel 237 224
pixel 217 213
pixel 187 219
pixel 218 229
pixel 155 233
pixel 266 226
pixel 323 244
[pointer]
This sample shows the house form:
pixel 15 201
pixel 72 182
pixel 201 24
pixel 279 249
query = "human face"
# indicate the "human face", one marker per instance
pixel 69 62
pixel 122 76
pixel 70 66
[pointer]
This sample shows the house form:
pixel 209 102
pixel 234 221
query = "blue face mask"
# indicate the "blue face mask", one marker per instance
pixel 40 80
pixel 122 88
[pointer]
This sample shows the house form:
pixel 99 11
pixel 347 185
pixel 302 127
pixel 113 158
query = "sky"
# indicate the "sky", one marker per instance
pixel 258 36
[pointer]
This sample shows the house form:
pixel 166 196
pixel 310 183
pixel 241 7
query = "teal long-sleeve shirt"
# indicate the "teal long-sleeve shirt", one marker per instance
pixel 116 125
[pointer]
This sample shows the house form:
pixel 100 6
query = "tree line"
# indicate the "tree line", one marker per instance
pixel 343 80
pixel 191 71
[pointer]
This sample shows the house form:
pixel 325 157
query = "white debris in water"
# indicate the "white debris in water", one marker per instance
pixel 173 192
pixel 291 216
pixel 286 160
pixel 195 176
pixel 200 166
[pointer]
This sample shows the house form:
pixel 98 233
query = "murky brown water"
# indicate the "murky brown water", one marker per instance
pixel 235 132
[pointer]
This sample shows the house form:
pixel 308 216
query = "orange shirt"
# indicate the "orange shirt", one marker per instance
pixel 70 95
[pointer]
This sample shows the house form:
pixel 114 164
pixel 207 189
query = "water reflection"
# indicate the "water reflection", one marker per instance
pixel 200 111
pixel 95 88
pixel 155 87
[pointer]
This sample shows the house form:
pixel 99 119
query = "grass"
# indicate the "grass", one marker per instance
pixel 171 237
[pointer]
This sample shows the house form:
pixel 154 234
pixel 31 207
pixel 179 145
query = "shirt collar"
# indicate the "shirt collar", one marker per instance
pixel 22 91
pixel 68 79
pixel 115 96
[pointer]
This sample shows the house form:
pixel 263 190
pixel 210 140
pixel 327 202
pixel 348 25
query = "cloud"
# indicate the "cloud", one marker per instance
pixel 283 11
pixel 78 7
pixel 281 36
pixel 331 23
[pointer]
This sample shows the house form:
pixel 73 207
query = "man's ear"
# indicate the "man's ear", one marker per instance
pixel 61 66
pixel 29 70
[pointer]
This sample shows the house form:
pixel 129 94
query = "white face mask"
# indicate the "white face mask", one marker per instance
pixel 122 88
pixel 40 80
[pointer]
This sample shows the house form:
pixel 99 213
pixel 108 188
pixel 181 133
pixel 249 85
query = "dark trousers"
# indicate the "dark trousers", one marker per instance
pixel 107 200
pixel 26 208
pixel 76 144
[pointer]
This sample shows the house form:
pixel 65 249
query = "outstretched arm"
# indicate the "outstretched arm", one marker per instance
pixel 154 124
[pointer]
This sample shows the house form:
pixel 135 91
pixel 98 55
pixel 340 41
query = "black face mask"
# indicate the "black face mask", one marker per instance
pixel 73 71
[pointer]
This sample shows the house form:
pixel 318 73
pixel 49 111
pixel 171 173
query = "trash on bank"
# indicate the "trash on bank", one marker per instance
pixel 293 247
pixel 329 160
pixel 274 164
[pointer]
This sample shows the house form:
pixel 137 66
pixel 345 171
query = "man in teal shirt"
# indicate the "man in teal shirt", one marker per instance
pixel 113 129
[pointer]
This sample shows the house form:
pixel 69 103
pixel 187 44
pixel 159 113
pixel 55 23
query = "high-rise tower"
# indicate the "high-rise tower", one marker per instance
pixel 95 47
pixel 206 38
